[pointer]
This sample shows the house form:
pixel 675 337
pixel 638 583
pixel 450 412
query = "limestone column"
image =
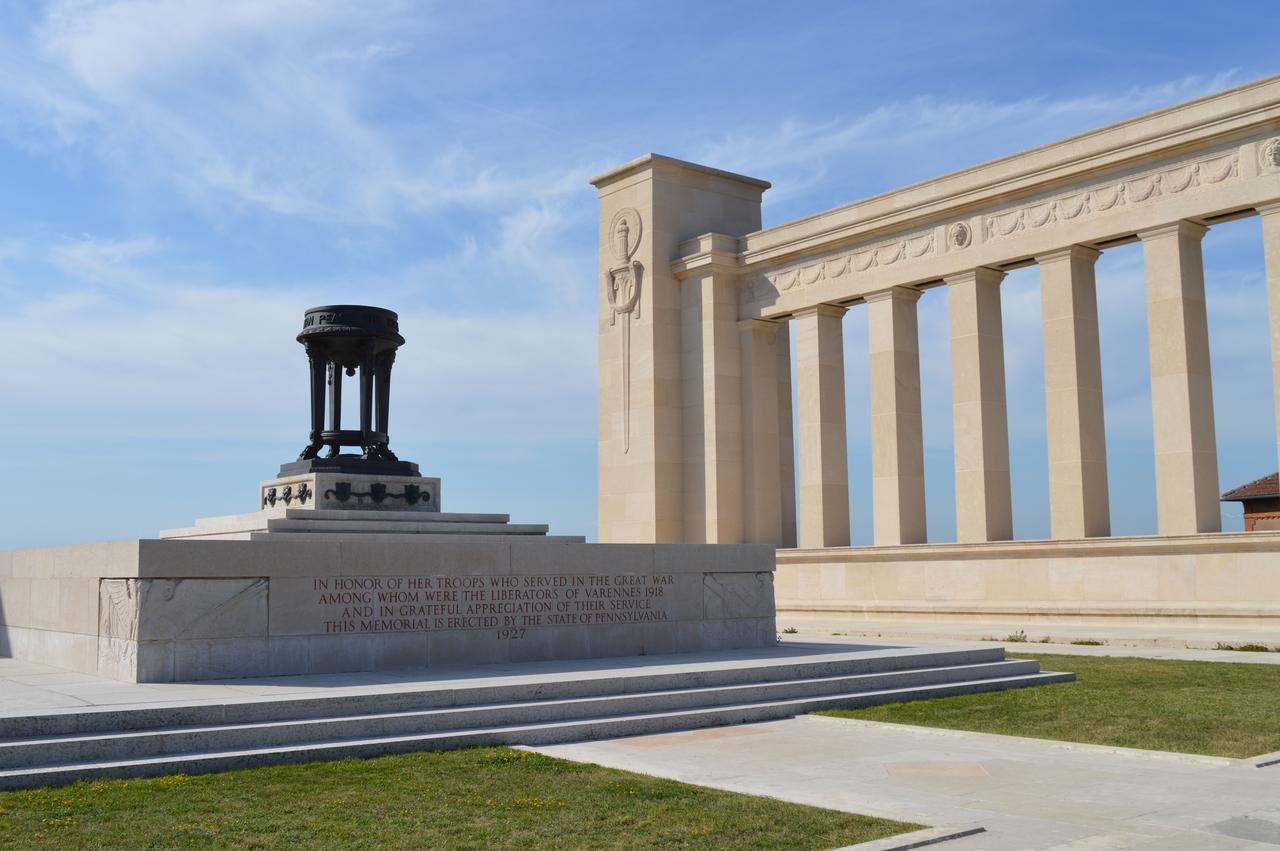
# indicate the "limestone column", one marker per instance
pixel 786 436
pixel 820 421
pixel 1078 502
pixel 1271 247
pixel 897 439
pixel 712 371
pixel 761 437
pixel 1181 385
pixel 979 421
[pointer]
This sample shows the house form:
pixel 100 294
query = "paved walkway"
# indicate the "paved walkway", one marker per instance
pixel 28 687
pixel 1187 654
pixel 1027 793
pixel 1153 638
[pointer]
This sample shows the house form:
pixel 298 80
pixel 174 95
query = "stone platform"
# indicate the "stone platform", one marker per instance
pixel 56 727
pixel 310 603
pixel 282 522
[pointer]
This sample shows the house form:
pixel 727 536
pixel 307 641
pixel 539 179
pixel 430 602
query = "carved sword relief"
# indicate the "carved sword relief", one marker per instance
pixel 622 287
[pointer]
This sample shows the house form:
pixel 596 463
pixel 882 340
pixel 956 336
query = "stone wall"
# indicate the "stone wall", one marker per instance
pixel 1226 579
pixel 159 611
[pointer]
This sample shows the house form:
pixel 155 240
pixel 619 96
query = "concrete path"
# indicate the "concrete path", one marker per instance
pixel 28 687
pixel 1149 637
pixel 1027 793
pixel 1187 654
pixel 1182 653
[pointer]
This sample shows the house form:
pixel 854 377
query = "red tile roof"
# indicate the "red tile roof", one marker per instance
pixel 1257 489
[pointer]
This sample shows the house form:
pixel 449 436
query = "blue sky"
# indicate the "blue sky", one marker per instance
pixel 180 180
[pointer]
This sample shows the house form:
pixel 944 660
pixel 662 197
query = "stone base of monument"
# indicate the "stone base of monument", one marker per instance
pixel 320 602
pixel 351 492
pixel 281 523
pixel 348 566
pixel 191 728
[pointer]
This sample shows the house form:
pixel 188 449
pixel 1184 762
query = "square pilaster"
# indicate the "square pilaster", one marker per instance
pixel 1181 384
pixel 1078 500
pixel 761 435
pixel 1270 214
pixel 820 420
pixel 978 416
pixel 897 438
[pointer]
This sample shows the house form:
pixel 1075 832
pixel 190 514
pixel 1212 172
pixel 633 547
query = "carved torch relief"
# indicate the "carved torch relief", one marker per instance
pixel 622 287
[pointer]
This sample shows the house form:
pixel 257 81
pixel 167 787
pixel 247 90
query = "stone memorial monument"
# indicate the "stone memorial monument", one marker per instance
pixel 349 563
pixel 705 316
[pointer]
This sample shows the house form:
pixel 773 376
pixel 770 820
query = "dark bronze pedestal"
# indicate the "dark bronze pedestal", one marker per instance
pixel 345 338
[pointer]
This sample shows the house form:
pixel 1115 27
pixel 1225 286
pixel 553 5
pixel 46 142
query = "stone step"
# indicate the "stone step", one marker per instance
pixel 401 527
pixel 388 515
pixel 392 537
pixel 178 740
pixel 538 733
pixel 243 524
pixel 484 685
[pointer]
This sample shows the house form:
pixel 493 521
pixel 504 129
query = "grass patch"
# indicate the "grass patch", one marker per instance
pixel 475 798
pixel 1019 637
pixel 1088 642
pixel 1216 708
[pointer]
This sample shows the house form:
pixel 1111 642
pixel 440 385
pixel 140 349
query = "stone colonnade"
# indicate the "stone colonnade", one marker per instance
pixel 699 305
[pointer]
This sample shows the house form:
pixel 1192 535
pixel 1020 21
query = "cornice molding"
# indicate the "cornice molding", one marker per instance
pixel 1071 252
pixel 1182 227
pixel 1175 130
pixel 833 310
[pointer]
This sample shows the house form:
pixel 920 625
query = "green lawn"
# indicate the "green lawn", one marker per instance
pixel 477 798
pixel 1217 708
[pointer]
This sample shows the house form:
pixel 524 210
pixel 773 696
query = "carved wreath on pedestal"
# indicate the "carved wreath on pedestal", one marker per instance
pixel 622 289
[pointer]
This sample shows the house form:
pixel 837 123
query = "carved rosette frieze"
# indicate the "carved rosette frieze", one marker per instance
pixel 1118 193
pixel 622 282
pixel 904 249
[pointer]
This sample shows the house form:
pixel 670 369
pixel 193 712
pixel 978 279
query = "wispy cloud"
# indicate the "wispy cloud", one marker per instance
pixel 272 106
pixel 183 359
pixel 12 249
pixel 936 134
pixel 94 259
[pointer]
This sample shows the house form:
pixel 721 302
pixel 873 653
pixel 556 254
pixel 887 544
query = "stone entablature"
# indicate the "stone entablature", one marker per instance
pixel 1207 160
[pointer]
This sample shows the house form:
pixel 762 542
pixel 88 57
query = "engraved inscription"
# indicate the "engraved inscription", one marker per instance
pixel 508 605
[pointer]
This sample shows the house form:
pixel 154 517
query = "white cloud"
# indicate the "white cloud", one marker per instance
pixel 159 355
pixel 94 259
pixel 925 136
pixel 267 105
pixel 12 249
